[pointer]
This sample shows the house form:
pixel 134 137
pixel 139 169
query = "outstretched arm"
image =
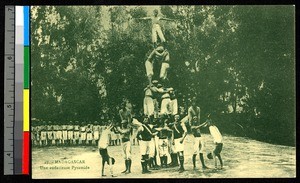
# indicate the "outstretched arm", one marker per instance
pixel 199 126
pixel 203 124
pixel 144 18
pixel 167 19
pixel 122 131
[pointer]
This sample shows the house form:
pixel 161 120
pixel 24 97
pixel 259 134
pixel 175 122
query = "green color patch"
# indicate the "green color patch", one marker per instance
pixel 26 67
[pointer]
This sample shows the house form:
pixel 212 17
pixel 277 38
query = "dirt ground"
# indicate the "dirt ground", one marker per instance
pixel 242 157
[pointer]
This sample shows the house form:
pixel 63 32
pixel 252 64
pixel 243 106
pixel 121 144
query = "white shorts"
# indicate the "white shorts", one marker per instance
pixel 54 135
pixel 155 102
pixel 127 150
pixel 163 147
pixel 156 139
pixel 148 106
pixel 76 135
pixel 134 133
pixel 164 70
pixel 165 106
pixel 96 135
pixel 149 68
pixel 156 30
pixel 152 148
pixel 59 135
pixel 113 136
pixel 144 147
pixel 198 145
pixel 174 107
pixel 89 136
pixel 83 135
pixel 65 135
pixel 43 135
pixel 70 135
pixel 171 147
pixel 49 135
pixel 178 146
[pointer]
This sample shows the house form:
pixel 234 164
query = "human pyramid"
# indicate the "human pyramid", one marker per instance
pixel 161 131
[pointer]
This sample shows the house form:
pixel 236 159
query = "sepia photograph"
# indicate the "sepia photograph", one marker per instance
pixel 163 91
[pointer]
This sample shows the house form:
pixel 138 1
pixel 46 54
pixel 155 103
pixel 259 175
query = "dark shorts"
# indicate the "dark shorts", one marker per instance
pixel 104 155
pixel 218 148
pixel 125 140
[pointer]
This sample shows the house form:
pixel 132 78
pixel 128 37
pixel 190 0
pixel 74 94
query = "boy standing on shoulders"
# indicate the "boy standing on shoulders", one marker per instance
pixel 217 137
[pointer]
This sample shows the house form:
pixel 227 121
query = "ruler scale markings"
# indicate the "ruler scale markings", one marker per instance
pixel 9 61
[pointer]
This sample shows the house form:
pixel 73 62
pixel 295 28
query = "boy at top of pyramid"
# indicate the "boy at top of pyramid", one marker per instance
pixel 156 27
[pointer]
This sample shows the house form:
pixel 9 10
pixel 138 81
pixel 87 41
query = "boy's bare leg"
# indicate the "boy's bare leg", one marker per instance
pixel 111 167
pixel 216 163
pixel 220 159
pixel 102 170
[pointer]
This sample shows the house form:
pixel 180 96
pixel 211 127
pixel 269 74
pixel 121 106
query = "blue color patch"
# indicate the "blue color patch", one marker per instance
pixel 26 25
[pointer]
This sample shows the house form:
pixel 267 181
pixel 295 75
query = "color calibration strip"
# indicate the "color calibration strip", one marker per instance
pixel 22 66
pixel 26 95
pixel 16 90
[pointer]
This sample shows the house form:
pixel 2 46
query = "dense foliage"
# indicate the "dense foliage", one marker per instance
pixel 237 60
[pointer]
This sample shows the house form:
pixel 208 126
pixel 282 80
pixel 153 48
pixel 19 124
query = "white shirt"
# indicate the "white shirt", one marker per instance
pixel 148 92
pixel 215 133
pixel 104 139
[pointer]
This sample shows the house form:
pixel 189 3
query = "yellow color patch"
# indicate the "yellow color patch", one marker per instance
pixel 26 110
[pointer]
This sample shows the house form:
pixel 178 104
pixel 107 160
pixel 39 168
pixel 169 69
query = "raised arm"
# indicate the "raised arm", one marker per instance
pixel 184 132
pixel 198 117
pixel 190 116
pixel 121 115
